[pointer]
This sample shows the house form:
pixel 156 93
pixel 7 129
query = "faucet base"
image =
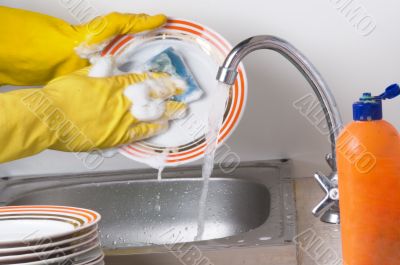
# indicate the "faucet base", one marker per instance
pixel 332 215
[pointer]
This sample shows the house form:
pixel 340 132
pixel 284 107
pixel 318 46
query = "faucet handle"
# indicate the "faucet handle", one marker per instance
pixel 330 187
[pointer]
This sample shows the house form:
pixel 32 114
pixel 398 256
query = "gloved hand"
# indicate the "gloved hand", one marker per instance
pixel 35 48
pixel 79 113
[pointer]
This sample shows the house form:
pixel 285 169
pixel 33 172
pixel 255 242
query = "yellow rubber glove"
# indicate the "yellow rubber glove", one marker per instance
pixel 78 113
pixel 35 48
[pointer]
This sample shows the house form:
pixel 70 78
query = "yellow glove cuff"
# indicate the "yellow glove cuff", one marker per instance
pixel 35 48
pixel 25 124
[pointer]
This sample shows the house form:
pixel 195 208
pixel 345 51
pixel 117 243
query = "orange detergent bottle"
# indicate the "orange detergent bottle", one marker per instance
pixel 368 156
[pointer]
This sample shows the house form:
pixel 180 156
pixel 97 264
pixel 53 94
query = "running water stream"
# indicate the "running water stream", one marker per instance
pixel 218 101
pixel 215 119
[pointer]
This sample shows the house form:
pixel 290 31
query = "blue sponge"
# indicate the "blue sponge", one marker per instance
pixel 169 61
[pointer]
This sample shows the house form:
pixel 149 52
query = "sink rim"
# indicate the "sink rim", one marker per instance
pixel 284 185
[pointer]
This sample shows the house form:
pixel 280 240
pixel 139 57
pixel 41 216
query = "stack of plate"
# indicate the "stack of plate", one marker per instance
pixel 35 235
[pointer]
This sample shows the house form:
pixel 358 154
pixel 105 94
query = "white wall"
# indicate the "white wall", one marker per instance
pixel 271 128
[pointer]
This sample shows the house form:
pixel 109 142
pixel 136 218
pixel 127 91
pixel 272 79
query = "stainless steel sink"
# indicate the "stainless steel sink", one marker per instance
pixel 253 206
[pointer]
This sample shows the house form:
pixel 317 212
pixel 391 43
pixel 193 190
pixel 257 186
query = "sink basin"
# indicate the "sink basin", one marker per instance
pixel 253 206
pixel 141 212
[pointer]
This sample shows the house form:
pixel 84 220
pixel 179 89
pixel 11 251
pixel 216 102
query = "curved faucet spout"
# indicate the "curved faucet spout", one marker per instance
pixel 228 71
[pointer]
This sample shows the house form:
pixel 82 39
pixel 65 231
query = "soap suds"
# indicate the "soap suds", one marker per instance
pixel 149 102
pixel 102 66
pixel 166 87
pixel 144 107
pixel 88 52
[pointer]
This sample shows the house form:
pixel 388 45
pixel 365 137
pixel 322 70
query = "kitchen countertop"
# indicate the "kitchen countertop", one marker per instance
pixel 316 243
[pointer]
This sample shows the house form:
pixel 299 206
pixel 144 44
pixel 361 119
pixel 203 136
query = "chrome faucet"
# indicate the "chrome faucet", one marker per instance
pixel 329 206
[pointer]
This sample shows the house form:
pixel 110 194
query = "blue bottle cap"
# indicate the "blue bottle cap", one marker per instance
pixel 369 108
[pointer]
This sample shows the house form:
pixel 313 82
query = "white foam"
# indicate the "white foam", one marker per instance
pixel 102 67
pixel 202 64
pixel 88 52
pixel 144 107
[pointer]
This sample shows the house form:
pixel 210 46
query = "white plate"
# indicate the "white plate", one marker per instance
pixel 41 255
pixel 22 226
pixel 203 51
pixel 45 245
pixel 204 66
pixel 83 255
pixel 12 230
pixel 26 219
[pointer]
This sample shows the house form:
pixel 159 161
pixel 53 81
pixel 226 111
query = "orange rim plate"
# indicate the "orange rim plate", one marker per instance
pixel 213 46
